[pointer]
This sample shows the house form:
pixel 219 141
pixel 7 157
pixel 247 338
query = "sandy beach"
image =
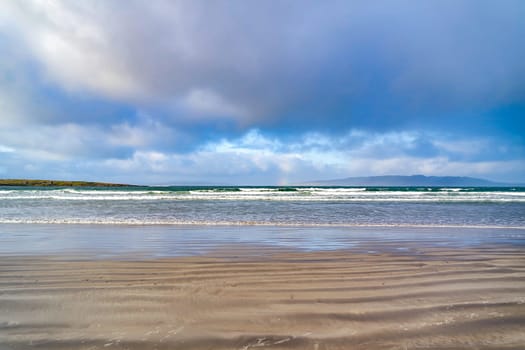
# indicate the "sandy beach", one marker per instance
pixel 436 298
pixel 252 175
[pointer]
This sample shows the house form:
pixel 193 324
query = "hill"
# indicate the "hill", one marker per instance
pixel 408 181
pixel 47 183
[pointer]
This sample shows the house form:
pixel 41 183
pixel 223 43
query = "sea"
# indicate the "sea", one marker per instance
pixel 183 220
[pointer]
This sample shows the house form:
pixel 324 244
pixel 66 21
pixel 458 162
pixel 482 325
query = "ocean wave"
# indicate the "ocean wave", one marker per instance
pixel 306 194
pixel 320 194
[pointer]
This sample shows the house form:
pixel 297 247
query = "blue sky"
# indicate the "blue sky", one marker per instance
pixel 266 92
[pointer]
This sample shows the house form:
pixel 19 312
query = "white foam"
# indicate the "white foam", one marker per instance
pixel 268 194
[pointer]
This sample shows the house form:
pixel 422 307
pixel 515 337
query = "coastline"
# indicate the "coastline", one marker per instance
pixel 57 183
pixel 435 298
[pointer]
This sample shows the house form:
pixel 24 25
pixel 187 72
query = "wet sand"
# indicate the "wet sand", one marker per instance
pixel 434 298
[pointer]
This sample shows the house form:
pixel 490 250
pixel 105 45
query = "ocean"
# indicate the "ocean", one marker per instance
pixel 175 220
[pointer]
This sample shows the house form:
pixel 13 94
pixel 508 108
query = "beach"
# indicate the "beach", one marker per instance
pixel 262 267
pixel 266 297
pixel 244 175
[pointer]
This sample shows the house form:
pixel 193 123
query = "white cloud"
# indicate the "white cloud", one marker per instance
pixel 75 142
pixel 69 40
pixel 252 158
pixel 255 158
pixel 144 133
pixel 5 149
pixel 141 160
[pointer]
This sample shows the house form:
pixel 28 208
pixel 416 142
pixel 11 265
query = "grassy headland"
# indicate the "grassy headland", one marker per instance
pixel 45 183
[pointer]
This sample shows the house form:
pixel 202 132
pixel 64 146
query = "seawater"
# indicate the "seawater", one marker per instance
pixel 146 241
pixel 275 206
pixel 174 221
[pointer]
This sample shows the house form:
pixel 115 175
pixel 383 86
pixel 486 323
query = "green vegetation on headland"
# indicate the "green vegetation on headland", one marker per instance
pixel 47 183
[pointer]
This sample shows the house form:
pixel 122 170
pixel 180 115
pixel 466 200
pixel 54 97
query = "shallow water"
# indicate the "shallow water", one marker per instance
pixel 173 240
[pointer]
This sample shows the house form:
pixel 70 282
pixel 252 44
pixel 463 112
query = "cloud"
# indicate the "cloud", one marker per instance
pixel 208 102
pixel 5 149
pixel 260 61
pixel 268 92
pixel 69 42
pixel 70 141
pixel 254 158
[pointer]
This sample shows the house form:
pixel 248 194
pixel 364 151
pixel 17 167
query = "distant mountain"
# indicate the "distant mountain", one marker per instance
pixel 408 181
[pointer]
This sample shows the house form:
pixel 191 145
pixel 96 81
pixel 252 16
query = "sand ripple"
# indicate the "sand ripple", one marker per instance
pixel 436 299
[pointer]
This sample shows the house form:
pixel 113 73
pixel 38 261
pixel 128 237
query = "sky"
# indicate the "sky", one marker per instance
pixel 261 92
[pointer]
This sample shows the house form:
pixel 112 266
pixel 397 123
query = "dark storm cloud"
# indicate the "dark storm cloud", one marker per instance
pixel 264 63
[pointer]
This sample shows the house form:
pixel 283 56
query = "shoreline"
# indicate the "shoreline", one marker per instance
pixel 436 298
pixel 254 224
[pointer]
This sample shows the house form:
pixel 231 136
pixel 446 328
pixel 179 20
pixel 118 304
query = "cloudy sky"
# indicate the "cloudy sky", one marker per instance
pixel 261 92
